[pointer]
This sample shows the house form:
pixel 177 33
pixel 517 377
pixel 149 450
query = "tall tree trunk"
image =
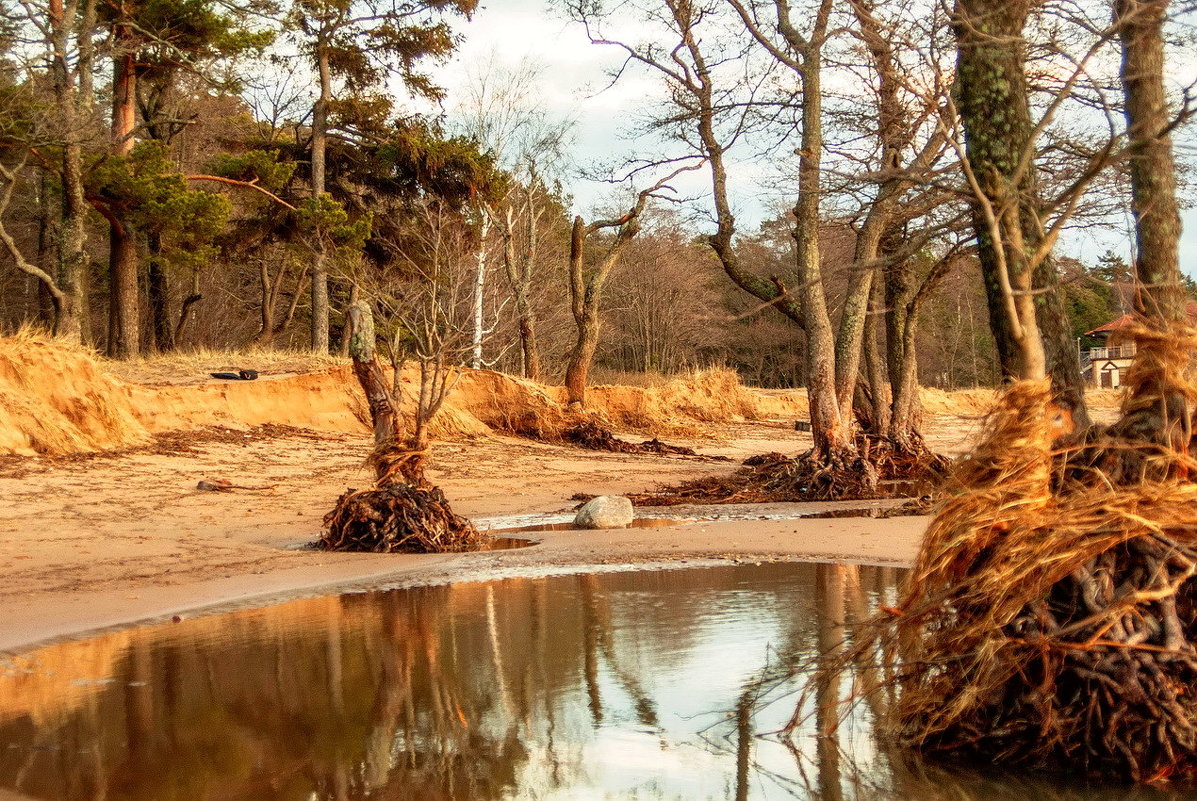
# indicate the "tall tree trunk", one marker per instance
pixel 586 291
pixel 158 290
pixel 48 214
pixel 479 331
pixel 585 311
pixel 71 318
pixel 1161 409
pixel 519 275
pixel 995 112
pixel 1152 169
pixel 124 310
pixel 831 432
pixel 320 312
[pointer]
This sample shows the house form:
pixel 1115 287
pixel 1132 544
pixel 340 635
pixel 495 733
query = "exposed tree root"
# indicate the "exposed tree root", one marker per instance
pixel 397 517
pixel 589 434
pixel 403 512
pixel 1050 621
pixel 875 468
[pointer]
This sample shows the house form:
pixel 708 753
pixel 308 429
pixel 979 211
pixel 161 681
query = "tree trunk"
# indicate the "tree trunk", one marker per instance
pixel 530 356
pixel 586 291
pixel 383 412
pixel 1161 405
pixel 1152 169
pixel 319 305
pixel 71 314
pixel 479 331
pixel 881 394
pixel 577 372
pixel 124 330
pixel 158 290
pixel 994 109
pixel 124 323
pixel 831 432
pixel 320 312
pixel 519 275
pixel 585 319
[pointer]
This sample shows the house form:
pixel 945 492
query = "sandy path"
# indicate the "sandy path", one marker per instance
pixel 115 540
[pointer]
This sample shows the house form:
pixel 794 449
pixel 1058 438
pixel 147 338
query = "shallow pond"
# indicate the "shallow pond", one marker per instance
pixel 603 686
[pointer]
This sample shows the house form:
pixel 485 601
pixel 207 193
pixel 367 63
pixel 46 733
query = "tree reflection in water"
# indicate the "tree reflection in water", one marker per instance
pixel 633 685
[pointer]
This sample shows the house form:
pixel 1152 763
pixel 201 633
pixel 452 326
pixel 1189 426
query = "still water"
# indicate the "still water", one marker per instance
pixel 611 686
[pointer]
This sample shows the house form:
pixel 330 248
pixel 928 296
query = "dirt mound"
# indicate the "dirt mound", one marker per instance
pixel 505 403
pixel 704 396
pixel 57 400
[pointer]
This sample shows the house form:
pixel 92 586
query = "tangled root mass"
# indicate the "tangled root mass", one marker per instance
pixel 1050 621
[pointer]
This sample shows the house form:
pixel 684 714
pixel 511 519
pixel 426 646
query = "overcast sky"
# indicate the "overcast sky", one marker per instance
pixel 574 85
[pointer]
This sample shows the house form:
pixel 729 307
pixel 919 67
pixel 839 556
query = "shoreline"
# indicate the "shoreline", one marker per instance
pixel 49 618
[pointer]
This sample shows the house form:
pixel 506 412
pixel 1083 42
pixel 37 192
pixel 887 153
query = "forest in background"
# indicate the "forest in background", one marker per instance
pixel 201 174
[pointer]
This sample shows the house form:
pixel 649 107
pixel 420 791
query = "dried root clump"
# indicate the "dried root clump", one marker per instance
pixel 875 468
pixel 403 512
pixel 397 517
pixel 593 436
pixel 1050 621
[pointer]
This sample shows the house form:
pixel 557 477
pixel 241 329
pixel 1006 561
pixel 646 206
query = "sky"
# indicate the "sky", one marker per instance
pixel 574 84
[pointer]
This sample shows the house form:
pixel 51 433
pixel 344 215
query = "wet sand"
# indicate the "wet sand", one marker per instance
pixel 117 540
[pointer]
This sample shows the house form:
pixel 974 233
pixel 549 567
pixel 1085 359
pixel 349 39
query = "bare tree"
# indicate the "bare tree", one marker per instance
pixel 586 281
pixel 503 112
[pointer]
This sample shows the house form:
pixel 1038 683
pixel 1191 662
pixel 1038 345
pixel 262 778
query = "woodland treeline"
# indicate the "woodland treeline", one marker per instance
pixel 193 173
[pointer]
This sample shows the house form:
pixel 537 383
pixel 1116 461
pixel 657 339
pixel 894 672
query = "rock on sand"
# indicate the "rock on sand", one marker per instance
pixel 605 511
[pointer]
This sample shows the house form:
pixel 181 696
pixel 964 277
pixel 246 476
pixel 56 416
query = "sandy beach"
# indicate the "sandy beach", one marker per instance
pixel 102 523
pixel 88 543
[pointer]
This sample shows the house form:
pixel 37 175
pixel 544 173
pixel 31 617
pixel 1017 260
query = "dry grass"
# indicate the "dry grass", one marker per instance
pixel 675 407
pixel 55 399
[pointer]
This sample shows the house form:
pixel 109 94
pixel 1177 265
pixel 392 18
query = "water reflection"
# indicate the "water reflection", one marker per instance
pixel 643 685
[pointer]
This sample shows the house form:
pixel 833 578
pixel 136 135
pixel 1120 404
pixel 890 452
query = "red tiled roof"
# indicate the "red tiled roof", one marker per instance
pixel 1127 319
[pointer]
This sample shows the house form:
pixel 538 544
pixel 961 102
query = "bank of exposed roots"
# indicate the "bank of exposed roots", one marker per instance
pixel 1051 617
pixel 403 512
pixel 875 468
pixel 592 436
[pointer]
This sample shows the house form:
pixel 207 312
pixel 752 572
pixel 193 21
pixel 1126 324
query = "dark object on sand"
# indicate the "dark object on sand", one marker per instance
pixel 240 375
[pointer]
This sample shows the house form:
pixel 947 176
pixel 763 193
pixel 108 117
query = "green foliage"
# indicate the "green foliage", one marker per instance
pixel 420 161
pixel 366 40
pixel 1090 294
pixel 147 194
pixel 326 228
pixel 175 32
pixel 262 167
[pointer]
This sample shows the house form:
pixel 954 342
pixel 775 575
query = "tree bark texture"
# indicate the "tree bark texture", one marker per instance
pixel 124 324
pixel 319 273
pixel 1152 168
pixel 831 432
pixel 381 402
pixel 991 91
pixel 71 322
pixel 585 311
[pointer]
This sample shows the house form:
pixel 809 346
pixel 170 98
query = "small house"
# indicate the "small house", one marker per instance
pixel 1105 366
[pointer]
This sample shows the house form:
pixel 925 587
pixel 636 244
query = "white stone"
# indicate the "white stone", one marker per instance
pixel 605 511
